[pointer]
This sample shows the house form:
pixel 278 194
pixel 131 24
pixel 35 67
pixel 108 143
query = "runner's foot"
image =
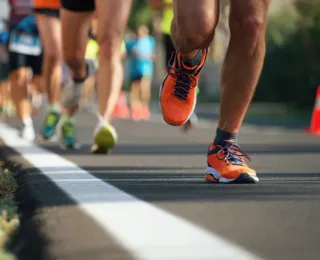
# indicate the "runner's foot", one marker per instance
pixel 178 91
pixel 68 138
pixel 27 132
pixel 105 138
pixel 226 164
pixel 50 126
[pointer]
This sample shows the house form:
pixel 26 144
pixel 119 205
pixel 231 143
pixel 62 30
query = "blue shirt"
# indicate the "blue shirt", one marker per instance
pixel 4 37
pixel 27 25
pixel 140 53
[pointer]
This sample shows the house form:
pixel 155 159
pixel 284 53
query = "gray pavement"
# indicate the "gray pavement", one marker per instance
pixel 275 219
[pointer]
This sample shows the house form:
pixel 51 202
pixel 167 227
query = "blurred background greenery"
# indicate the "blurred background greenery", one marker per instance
pixel 292 66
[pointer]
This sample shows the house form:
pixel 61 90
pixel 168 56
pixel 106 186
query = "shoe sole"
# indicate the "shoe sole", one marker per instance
pixel 75 146
pixel 51 139
pixel 213 176
pixel 193 108
pixel 104 141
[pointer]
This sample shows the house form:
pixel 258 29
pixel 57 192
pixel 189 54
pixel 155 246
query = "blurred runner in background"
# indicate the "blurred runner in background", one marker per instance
pixel 112 17
pixel 47 15
pixel 4 70
pixel 88 98
pixel 141 54
pixel 25 51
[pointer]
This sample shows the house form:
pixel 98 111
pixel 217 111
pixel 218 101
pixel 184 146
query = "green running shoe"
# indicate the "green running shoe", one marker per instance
pixel 50 126
pixel 68 138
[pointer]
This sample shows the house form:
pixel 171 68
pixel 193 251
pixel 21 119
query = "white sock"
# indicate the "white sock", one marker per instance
pixel 101 123
pixel 27 121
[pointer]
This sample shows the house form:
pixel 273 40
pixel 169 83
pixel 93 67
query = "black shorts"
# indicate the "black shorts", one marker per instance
pixel 4 71
pixel 18 60
pixel 168 47
pixel 48 12
pixel 79 5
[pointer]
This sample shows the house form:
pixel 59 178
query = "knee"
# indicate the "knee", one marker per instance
pixel 250 27
pixel 74 61
pixel 110 48
pixel 53 57
pixel 197 33
pixel 19 79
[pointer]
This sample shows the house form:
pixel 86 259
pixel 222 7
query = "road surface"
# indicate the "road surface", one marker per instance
pixel 183 216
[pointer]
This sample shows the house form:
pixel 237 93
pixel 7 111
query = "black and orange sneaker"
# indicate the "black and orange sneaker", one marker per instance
pixel 178 93
pixel 226 164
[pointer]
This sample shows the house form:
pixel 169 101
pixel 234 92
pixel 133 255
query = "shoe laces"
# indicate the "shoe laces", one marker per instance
pixel 231 153
pixel 184 80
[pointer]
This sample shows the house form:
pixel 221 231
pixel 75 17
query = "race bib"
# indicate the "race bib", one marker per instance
pixel 24 43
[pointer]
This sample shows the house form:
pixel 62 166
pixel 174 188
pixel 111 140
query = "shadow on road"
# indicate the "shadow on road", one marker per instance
pixel 170 187
pixel 183 149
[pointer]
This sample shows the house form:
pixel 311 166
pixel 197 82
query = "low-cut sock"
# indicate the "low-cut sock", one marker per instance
pixel 222 136
pixel 194 61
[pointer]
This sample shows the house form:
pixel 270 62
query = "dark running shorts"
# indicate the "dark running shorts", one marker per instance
pixel 47 11
pixel 4 71
pixel 78 5
pixel 18 60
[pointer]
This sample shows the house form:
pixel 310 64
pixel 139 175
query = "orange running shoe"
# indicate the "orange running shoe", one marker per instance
pixel 146 114
pixel 178 96
pixel 136 113
pixel 226 164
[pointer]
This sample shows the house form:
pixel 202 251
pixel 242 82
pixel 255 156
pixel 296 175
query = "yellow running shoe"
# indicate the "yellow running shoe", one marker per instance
pixel 106 138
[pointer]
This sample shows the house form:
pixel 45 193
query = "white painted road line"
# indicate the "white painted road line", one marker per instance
pixel 147 232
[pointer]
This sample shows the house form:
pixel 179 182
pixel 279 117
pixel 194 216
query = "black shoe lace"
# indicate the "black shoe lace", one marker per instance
pixel 231 153
pixel 184 80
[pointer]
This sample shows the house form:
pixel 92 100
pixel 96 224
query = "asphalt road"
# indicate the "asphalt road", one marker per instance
pixel 275 219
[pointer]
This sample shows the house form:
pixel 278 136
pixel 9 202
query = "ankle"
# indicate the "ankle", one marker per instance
pixel 27 121
pixel 222 136
pixel 192 59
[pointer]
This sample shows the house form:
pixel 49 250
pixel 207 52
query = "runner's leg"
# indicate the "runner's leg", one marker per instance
pixel 38 92
pixel 50 33
pixel 112 20
pixel 240 75
pixel 75 28
pixel 19 77
pixel 243 62
pixel 135 103
pixel 76 19
pixel 190 35
pixel 191 38
pixel 145 95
